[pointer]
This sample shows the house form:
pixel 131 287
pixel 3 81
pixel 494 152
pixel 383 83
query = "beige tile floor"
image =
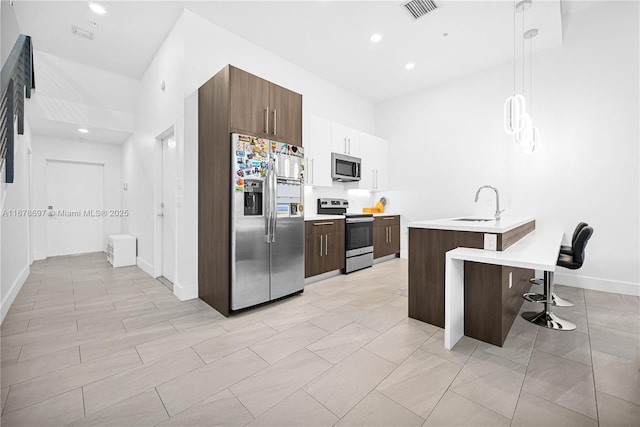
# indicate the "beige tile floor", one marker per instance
pixel 86 344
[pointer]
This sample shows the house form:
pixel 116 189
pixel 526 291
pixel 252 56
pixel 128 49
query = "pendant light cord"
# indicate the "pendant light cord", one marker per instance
pixel 531 78
pixel 514 47
pixel 524 11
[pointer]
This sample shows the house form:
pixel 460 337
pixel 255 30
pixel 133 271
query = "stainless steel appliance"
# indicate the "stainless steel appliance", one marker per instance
pixel 358 233
pixel 267 226
pixel 345 168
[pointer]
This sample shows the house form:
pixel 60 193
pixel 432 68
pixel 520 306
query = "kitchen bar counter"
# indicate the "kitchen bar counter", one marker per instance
pixel 493 292
pixel 538 250
pixel 454 224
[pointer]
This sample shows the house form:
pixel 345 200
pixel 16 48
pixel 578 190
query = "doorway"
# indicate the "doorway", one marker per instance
pixel 75 197
pixel 166 209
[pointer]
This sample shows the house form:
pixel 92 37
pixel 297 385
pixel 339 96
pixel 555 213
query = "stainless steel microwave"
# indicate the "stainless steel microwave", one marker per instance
pixel 345 168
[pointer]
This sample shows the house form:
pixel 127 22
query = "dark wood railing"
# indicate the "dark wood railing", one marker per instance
pixel 16 82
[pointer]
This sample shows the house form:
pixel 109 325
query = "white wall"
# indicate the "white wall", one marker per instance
pixel 192 53
pixel 76 94
pixel 14 230
pixel 48 148
pixel 156 111
pixel 10 30
pixel 447 141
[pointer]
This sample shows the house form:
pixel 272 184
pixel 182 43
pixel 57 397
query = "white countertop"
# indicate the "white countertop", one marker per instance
pixel 505 224
pixel 538 250
pixel 322 216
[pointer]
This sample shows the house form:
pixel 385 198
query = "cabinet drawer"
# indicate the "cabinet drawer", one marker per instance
pixel 324 226
pixel 388 220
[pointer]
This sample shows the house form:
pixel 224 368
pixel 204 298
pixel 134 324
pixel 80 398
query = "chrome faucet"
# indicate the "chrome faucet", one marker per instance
pixel 498 211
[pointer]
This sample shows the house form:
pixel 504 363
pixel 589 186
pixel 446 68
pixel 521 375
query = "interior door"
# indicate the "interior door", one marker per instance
pixel 75 198
pixel 168 206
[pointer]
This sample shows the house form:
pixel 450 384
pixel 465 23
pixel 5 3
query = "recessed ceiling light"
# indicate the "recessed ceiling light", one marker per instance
pixel 83 130
pixel 410 66
pixel 376 37
pixel 100 10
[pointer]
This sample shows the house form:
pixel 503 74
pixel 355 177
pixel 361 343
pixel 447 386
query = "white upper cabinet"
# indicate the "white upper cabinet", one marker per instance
pixel 317 152
pixel 374 163
pixel 345 140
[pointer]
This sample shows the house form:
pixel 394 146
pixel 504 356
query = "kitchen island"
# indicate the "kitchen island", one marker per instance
pixel 492 293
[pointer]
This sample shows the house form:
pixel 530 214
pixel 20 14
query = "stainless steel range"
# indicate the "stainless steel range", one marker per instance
pixel 358 233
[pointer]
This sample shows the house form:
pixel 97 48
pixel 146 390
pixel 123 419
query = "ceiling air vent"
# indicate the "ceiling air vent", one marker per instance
pixel 80 32
pixel 419 8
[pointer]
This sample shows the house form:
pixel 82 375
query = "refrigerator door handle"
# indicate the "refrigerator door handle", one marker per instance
pixel 273 207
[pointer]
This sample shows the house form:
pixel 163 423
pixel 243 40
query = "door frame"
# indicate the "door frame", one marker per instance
pixel 157 199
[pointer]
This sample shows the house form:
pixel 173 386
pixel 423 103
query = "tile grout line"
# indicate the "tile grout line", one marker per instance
pixel 240 401
pixel 593 371
pixel 393 400
pixel 524 378
pixel 161 401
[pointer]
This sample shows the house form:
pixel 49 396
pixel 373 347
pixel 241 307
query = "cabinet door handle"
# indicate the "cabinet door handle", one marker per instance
pixel 326 244
pixel 323 223
pixel 349 145
pixel 266 120
pixel 313 171
pixel 275 122
pixel 321 237
pixel 388 218
pixel 345 145
pixel 390 239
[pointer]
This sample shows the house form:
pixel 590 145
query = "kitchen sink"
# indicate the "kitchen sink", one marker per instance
pixel 474 219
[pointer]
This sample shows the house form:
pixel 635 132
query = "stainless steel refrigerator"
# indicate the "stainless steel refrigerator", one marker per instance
pixel 267 220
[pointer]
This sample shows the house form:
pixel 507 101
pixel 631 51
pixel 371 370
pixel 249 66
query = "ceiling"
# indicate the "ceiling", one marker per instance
pixel 331 38
pixel 328 38
pixel 125 39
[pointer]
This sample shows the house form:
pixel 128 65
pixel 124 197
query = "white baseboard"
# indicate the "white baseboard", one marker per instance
pixel 13 291
pixel 184 293
pixel 145 266
pixel 604 285
pixel 37 256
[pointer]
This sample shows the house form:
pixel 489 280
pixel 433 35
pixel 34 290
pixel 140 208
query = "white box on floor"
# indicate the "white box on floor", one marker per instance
pixel 121 250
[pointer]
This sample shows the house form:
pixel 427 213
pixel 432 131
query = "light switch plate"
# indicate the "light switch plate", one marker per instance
pixel 490 242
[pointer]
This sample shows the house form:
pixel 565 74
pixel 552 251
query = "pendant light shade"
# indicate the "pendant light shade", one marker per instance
pixel 514 108
pixel 528 136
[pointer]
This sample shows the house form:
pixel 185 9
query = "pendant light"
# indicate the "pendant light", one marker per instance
pixel 528 136
pixel 514 107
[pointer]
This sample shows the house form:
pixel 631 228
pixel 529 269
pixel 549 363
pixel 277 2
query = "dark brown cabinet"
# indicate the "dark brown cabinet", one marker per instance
pixel 386 236
pixel 262 108
pixel 232 101
pixel 285 108
pixel 324 246
pixel 427 255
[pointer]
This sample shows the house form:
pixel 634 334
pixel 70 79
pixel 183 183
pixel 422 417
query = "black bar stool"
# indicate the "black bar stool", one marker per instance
pixel 555 299
pixel 573 262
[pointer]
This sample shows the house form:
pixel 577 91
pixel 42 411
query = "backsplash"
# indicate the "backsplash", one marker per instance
pixel 358 199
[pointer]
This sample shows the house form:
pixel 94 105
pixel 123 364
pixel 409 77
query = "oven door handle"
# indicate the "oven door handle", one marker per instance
pixel 354 220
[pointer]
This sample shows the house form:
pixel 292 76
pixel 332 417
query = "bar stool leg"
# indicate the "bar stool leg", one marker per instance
pixel 546 318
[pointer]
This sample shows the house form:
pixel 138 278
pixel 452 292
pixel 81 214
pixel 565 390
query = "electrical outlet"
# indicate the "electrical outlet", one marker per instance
pixel 490 242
